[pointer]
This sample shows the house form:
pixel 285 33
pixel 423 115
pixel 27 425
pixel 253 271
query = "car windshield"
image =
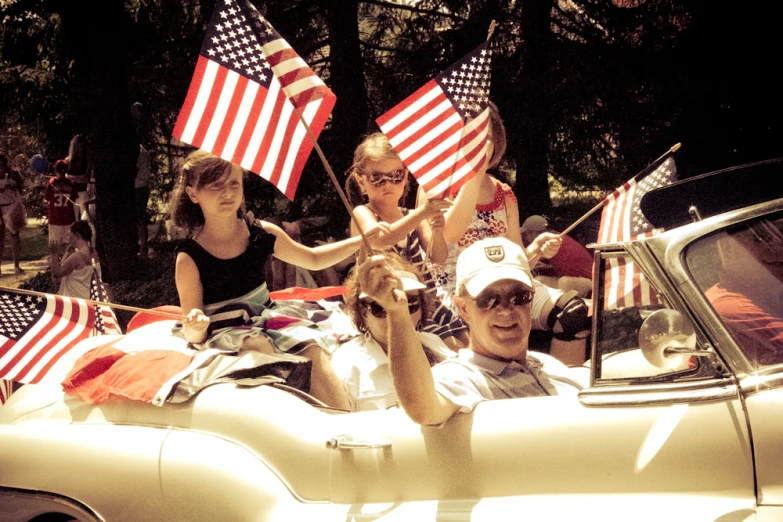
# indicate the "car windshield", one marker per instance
pixel 740 271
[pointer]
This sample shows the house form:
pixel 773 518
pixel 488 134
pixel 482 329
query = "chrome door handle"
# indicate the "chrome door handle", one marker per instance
pixel 345 442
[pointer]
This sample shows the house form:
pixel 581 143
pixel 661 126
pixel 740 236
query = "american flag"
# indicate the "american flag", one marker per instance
pixel 36 330
pixel 440 131
pixel 105 321
pixel 622 220
pixel 6 389
pixel 244 96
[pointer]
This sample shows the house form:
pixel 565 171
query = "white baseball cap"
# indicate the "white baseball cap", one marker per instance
pixel 490 260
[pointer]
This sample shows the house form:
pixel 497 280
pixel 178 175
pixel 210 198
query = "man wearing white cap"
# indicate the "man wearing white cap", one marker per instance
pixel 494 294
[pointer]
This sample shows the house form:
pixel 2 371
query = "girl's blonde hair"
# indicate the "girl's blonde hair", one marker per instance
pixel 375 147
pixel 200 169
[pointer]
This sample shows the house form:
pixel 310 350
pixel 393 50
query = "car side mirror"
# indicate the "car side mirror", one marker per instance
pixel 667 340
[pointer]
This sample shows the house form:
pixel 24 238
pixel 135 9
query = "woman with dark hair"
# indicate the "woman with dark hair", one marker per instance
pixel 76 267
pixel 363 362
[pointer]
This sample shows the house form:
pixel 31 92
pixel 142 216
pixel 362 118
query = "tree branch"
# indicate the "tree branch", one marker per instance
pixel 412 9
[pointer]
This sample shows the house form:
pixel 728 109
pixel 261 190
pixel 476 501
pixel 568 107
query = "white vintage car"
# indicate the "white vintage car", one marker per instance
pixel 682 421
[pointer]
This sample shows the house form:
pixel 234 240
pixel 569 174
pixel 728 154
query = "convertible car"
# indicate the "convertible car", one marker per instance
pixel 681 421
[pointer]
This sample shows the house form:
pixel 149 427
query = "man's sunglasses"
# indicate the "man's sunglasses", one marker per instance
pixel 489 300
pixel 394 177
pixel 414 303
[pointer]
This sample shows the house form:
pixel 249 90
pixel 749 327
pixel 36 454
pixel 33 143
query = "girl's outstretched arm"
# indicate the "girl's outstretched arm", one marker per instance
pixel 458 217
pixel 314 258
pixel 399 230
pixel 191 299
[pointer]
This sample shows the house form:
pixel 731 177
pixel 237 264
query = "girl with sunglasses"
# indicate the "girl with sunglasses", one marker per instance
pixel 377 186
pixel 220 272
pixel 362 363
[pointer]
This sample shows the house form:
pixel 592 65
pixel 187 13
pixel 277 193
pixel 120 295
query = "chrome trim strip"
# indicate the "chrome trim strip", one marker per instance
pixel 659 394
pixel 761 381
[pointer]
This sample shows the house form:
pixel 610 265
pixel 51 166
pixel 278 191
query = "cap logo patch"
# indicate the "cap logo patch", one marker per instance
pixel 494 253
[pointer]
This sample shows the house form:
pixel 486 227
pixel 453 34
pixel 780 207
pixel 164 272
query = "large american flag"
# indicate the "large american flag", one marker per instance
pixel 36 330
pixel 105 321
pixel 622 220
pixel 244 96
pixel 440 131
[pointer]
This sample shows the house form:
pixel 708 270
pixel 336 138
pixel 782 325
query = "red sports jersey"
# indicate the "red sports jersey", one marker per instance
pixel 60 194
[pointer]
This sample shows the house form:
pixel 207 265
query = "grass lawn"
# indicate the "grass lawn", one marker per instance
pixel 34 240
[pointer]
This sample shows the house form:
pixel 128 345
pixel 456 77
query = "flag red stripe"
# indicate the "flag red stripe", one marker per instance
pixel 85 334
pixel 311 95
pixel 426 148
pixel 321 116
pixel 209 110
pixel 278 57
pixel 453 151
pixel 250 125
pixel 190 99
pixel 418 116
pixel 271 131
pixel 54 342
pixel 407 102
pixel 436 119
pixel 34 342
pixel 231 116
pixel 282 153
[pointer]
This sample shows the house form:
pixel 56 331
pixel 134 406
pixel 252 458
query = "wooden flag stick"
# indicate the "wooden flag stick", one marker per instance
pixel 334 180
pixel 646 170
pixel 491 29
pixel 168 315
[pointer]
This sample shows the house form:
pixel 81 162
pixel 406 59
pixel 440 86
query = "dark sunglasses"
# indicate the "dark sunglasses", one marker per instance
pixel 394 177
pixel 414 303
pixel 489 300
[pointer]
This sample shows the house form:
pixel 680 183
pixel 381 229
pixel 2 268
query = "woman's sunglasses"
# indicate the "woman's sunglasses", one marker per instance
pixel 489 300
pixel 394 177
pixel 414 303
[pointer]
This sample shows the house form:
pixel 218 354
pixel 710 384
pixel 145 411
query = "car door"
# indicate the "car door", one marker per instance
pixel 635 434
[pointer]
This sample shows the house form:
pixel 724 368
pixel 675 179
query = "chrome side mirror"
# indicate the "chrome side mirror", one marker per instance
pixel 667 339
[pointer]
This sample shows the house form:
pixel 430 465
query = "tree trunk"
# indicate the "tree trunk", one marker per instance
pixel 351 115
pixel 98 38
pixel 531 127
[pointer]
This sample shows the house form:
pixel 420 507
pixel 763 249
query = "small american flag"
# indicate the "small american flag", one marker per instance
pixel 6 389
pixel 440 131
pixel 105 321
pixel 622 220
pixel 36 330
pixel 244 96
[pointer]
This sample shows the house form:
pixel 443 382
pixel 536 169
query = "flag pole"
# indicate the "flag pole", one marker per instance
pixel 491 29
pixel 646 170
pixel 168 315
pixel 334 180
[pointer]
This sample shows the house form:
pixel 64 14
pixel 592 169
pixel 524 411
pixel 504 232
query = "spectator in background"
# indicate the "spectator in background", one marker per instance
pixel 12 212
pixel 142 198
pixel 570 269
pixel 60 196
pixel 78 264
pixel 79 173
